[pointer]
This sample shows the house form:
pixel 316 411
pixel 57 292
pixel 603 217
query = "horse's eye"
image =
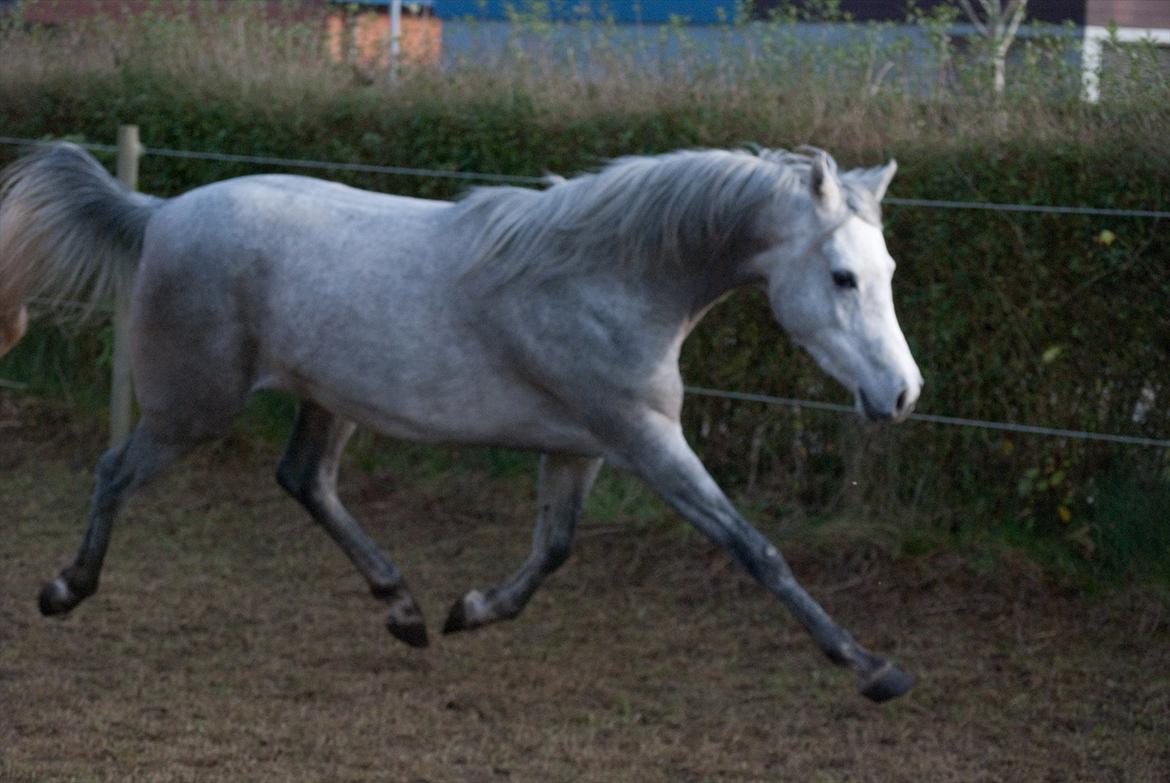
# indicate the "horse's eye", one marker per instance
pixel 843 279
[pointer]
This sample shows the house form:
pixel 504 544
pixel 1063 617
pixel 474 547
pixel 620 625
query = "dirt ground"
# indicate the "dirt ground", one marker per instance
pixel 232 641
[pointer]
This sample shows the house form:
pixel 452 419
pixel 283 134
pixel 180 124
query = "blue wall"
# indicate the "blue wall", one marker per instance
pixel 624 11
pixel 700 12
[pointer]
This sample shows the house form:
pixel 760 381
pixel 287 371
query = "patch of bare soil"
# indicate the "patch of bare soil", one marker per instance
pixel 232 641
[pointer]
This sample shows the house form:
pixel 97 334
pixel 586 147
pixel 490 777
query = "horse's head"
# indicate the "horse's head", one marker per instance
pixel 828 279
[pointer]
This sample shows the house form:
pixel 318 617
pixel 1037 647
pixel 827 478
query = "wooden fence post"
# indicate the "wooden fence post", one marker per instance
pixel 121 390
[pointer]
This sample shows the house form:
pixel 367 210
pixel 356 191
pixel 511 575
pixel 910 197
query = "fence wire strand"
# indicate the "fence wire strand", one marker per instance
pixel 298 163
pixel 338 166
pixel 1029 429
pixel 516 179
pixel 766 399
pixel 1037 208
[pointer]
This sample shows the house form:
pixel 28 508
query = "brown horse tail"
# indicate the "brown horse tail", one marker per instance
pixel 69 234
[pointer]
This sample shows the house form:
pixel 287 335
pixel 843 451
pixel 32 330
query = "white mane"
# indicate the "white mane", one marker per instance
pixel 679 209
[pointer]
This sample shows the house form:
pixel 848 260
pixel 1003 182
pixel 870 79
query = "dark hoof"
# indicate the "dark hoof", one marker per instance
pixel 414 634
pixel 888 682
pixel 56 598
pixel 457 619
pixel 404 620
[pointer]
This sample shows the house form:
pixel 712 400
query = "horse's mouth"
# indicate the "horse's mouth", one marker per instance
pixel 872 413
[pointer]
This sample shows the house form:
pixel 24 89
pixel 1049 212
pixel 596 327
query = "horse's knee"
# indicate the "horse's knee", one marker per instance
pixel 558 551
pixel 307 485
pixel 290 479
pixel 60 595
pixel 107 465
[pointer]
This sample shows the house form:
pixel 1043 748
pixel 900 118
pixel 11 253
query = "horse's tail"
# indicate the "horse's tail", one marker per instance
pixel 69 234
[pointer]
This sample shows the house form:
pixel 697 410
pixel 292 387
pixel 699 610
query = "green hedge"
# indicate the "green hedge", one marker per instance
pixel 1053 320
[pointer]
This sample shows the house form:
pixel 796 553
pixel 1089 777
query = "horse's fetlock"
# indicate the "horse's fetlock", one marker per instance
pixel 81 586
pixel 388 591
pixel 840 654
pixel 62 594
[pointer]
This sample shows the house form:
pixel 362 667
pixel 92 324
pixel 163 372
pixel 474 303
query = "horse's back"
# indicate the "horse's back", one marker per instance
pixel 267 213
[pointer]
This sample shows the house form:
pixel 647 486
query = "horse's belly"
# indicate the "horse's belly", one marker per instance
pixel 537 435
pixel 488 425
pixel 432 406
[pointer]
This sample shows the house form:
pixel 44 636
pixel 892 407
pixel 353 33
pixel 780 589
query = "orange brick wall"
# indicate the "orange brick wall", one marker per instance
pixel 365 38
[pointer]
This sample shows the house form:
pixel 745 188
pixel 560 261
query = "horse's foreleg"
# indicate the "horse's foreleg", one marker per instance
pixel 564 482
pixel 308 471
pixel 120 471
pixel 661 456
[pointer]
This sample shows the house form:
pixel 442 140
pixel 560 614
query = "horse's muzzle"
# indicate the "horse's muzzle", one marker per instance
pixel 903 404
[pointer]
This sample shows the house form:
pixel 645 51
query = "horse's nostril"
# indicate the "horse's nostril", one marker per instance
pixel 900 405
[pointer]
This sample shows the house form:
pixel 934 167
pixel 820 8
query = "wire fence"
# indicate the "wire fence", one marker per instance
pixel 958 421
pixel 1034 208
pixel 1030 429
pixel 516 179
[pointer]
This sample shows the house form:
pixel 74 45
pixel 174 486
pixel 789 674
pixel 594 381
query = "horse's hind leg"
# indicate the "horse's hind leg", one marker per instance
pixel 120 471
pixel 564 482
pixel 308 471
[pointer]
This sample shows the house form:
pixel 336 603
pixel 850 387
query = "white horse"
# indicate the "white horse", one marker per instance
pixel 546 320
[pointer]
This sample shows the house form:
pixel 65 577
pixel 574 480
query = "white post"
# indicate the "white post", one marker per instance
pixel 121 390
pixel 395 35
pixel 1091 63
pixel 1095 40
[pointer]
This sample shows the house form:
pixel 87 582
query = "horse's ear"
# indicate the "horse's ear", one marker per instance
pixel 875 180
pixel 822 182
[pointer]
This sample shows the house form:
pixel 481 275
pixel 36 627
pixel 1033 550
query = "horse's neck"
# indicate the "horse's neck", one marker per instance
pixel 678 299
pixel 703 290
